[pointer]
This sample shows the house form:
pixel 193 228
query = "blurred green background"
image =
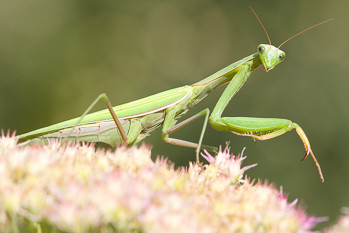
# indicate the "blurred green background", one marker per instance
pixel 57 56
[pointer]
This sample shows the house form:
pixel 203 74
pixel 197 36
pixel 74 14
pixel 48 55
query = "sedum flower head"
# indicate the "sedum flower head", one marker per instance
pixel 226 166
pixel 342 224
pixel 79 189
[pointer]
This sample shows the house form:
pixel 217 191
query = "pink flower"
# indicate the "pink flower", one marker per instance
pixel 77 189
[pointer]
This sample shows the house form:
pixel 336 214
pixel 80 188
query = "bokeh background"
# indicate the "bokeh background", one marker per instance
pixel 57 56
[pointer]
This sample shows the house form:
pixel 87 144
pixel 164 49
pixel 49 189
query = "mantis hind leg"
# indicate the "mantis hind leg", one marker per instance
pixel 169 129
pixel 106 100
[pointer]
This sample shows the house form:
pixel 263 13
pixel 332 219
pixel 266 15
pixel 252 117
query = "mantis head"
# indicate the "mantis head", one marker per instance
pixel 270 56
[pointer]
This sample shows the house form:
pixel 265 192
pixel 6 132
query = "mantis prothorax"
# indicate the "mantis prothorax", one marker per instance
pixel 132 122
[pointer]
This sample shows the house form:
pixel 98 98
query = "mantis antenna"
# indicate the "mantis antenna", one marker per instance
pixel 304 31
pixel 266 33
pixel 299 33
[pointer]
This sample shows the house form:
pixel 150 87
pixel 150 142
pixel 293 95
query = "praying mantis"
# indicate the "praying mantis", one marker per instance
pixel 130 123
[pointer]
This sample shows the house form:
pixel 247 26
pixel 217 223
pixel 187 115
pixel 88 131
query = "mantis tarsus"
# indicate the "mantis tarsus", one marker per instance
pixel 132 122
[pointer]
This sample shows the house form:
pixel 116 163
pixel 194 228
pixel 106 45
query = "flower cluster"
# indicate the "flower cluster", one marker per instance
pixel 78 189
pixel 342 224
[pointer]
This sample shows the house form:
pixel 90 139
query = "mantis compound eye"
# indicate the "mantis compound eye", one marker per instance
pixel 261 49
pixel 282 56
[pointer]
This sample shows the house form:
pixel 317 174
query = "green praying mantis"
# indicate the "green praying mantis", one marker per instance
pixel 130 123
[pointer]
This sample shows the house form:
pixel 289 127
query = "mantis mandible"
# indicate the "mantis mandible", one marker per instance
pixel 132 122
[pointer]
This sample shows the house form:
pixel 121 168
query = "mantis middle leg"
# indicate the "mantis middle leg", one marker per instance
pixel 169 128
